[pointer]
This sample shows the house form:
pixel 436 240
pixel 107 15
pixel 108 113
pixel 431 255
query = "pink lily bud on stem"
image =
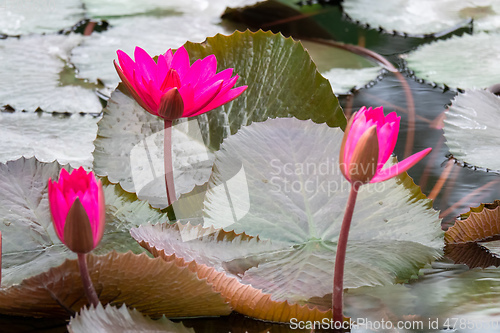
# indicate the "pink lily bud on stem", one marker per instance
pixel 79 212
pixel 369 140
pixel 171 88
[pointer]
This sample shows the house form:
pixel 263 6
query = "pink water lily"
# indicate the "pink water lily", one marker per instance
pixel 78 209
pixel 172 88
pixel 369 140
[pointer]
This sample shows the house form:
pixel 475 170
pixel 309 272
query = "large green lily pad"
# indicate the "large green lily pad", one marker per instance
pixel 279 181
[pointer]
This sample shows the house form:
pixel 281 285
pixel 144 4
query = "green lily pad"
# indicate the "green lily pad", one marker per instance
pixel 94 56
pixel 30 245
pixel 19 17
pixel 112 319
pixel 36 80
pixel 471 128
pixel 277 181
pixel 48 137
pixel 460 62
pixel 426 17
pixel 296 89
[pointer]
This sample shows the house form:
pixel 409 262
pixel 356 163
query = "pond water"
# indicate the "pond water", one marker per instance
pixel 445 295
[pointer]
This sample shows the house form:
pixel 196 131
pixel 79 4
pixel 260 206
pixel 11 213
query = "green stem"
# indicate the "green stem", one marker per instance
pixel 167 157
pixel 88 287
pixel 338 276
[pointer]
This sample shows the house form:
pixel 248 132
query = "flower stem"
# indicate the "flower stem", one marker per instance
pixel 338 276
pixel 167 156
pixel 88 287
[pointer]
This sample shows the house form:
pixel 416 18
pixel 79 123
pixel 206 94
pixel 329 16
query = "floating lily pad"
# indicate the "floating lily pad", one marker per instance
pixel 460 62
pixel 18 17
pixel 276 180
pixel 112 319
pixel 482 223
pixel 32 75
pixel 48 137
pixel 30 245
pixel 113 8
pixel 152 286
pixel 472 127
pixel 474 240
pixel 282 81
pixel 425 17
pixel 94 56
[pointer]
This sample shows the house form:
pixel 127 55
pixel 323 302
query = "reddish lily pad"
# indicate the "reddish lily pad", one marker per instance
pixel 152 286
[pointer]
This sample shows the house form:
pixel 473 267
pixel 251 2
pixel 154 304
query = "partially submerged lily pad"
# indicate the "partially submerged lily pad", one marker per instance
pixel 425 17
pixel 460 62
pixel 112 319
pixel 34 80
pixel 297 89
pixel 67 139
pixel 187 243
pixel 152 286
pixel 30 245
pixel 472 127
pixel 19 17
pixel 473 240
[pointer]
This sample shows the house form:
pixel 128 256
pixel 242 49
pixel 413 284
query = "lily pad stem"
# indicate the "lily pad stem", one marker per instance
pixel 88 287
pixel 167 156
pixel 338 276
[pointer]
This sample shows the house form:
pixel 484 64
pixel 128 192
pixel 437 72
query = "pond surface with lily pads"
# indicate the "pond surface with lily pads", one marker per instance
pixel 250 242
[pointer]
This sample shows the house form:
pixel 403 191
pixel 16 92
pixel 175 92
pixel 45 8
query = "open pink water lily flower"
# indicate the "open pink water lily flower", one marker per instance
pixel 171 88
pixel 78 209
pixel 369 140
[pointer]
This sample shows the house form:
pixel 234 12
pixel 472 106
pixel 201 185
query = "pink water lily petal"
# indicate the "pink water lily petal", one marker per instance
pixel 171 80
pixel 180 62
pixel 201 70
pixel 400 167
pixel 222 99
pixel 127 65
pixel 207 94
pixel 387 138
pixel 145 64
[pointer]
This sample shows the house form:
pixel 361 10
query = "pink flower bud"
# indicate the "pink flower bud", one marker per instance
pixel 199 88
pixel 369 140
pixel 78 209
